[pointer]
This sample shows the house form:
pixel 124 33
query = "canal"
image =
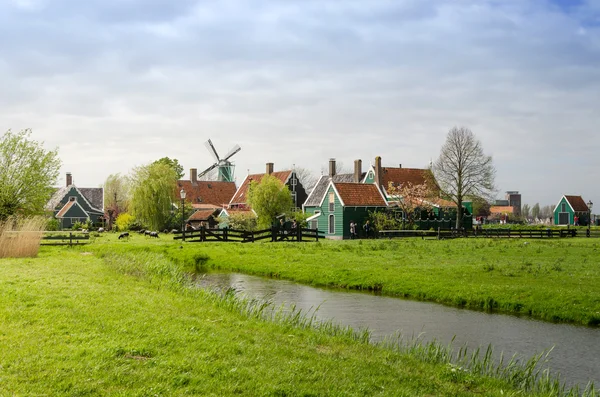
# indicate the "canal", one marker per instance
pixel 576 353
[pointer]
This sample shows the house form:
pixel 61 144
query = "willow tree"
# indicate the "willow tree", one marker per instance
pixel 269 199
pixel 152 191
pixel 27 173
pixel 463 170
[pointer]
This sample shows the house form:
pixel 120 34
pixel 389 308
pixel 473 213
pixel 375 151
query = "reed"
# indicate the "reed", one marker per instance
pixel 21 237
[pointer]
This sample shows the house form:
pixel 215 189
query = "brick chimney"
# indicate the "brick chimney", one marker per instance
pixel 331 168
pixel 378 171
pixel 357 170
pixel 194 176
pixel 269 168
pixel 69 179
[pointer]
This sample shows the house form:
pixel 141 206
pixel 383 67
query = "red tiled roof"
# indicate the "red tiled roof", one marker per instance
pixel 201 215
pixel 207 192
pixel 577 203
pixel 400 176
pixel 206 206
pixel 241 195
pixel 359 194
pixel 501 209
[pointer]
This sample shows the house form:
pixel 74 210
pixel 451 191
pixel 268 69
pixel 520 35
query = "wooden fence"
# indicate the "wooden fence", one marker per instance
pixel 243 236
pixel 64 238
pixel 491 233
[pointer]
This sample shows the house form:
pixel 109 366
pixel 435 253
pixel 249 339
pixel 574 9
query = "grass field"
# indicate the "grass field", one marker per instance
pixel 119 318
pixel 553 280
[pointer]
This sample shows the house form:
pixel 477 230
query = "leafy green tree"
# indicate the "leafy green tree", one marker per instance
pixel 124 221
pixel 268 199
pixel 245 220
pixel 116 193
pixel 153 188
pixel 173 163
pixel 27 172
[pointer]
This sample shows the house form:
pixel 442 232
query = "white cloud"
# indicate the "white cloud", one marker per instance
pixel 116 84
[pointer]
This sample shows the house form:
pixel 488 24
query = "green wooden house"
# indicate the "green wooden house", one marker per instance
pixel 70 204
pixel 570 207
pixel 332 209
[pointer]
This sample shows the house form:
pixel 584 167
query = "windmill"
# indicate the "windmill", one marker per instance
pixel 224 166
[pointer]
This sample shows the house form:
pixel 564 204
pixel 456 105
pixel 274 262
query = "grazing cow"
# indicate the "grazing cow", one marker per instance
pixel 100 230
pixel 124 235
pixel 142 231
pixel 147 232
pixel 154 234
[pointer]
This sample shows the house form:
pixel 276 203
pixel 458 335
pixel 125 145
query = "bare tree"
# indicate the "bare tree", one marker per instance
pixel 306 177
pixel 116 196
pixel 463 169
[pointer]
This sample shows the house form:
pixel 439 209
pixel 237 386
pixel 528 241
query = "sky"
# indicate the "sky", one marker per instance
pixel 116 84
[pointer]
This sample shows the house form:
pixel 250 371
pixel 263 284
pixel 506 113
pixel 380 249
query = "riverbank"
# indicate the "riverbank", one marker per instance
pixel 117 319
pixel 553 280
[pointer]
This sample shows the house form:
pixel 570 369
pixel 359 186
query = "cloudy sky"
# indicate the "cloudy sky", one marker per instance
pixel 120 83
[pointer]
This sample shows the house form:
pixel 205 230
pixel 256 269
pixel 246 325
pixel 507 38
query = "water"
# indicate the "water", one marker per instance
pixel 576 354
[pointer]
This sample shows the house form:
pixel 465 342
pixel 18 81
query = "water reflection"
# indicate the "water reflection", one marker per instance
pixel 576 354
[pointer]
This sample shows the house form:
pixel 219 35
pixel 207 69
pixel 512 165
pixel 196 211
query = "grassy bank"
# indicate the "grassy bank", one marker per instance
pixel 552 280
pixel 123 322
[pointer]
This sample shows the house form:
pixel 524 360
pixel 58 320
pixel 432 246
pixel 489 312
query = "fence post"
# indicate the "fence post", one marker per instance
pixel 273 234
pixel 202 233
pixel 225 234
pixel 317 233
pixel 70 239
pixel 438 233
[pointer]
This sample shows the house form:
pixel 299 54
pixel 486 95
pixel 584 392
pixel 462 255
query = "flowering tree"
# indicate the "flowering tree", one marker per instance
pixel 412 200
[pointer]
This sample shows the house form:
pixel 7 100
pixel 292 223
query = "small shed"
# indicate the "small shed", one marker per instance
pixel 570 207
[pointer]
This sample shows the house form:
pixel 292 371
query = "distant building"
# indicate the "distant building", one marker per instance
pixel 570 207
pixel 507 208
pixel 71 204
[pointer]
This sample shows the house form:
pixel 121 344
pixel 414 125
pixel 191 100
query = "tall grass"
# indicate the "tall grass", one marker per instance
pixel 20 237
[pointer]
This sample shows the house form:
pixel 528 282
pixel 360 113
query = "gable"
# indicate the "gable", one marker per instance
pixel 360 195
pixel 241 195
pixel 63 195
pixel 72 210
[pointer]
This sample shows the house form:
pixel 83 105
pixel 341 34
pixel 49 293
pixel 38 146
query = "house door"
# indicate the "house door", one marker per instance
pixel 331 224
pixel 563 218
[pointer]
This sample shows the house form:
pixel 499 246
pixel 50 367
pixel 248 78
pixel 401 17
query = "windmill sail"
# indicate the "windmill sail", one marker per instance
pixel 224 166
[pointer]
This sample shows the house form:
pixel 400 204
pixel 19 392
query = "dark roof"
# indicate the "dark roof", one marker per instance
pixel 360 194
pixel 320 188
pixel 577 203
pixel 95 196
pixel 241 195
pixel 207 192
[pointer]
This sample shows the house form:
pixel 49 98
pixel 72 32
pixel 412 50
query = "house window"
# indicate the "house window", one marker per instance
pixel 563 207
pixel 331 224
pixel 314 224
pixel 72 198
pixel 331 202
pixel 294 181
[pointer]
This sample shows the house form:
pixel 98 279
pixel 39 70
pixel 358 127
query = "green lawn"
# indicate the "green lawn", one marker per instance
pixel 553 280
pixel 118 318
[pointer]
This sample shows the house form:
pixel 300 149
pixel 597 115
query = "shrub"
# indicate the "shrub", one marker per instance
pixel 124 221
pixel 52 224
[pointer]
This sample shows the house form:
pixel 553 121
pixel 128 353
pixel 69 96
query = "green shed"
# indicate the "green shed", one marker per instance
pixel 570 207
